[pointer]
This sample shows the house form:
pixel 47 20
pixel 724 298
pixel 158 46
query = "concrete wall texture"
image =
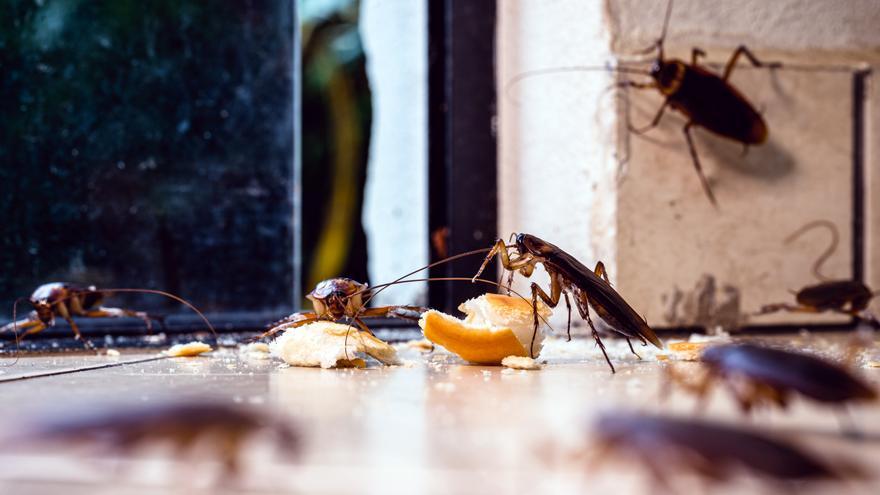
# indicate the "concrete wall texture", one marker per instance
pixel 669 252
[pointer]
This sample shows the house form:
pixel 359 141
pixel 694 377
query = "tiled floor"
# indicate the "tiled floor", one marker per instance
pixel 432 425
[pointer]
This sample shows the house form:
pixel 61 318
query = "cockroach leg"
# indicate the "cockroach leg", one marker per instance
pixel 103 312
pixel 696 53
pixel 395 311
pixel 626 84
pixel 773 308
pixel 304 318
pixel 600 271
pixel 586 315
pixel 29 326
pixel 699 387
pixel 742 50
pixel 568 307
pixel 630 344
pixel 86 342
pixel 552 300
pixel 697 165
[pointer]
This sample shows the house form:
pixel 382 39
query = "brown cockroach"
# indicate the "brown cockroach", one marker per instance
pixel 69 300
pixel 758 375
pixel 850 297
pixel 716 452
pixel 338 298
pixel 184 426
pixel 706 99
pixel 570 276
pixel 342 298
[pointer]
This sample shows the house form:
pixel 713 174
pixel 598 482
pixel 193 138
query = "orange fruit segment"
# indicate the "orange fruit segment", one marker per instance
pixel 475 343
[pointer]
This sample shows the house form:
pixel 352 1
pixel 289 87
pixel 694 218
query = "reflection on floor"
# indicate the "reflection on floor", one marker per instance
pixel 431 425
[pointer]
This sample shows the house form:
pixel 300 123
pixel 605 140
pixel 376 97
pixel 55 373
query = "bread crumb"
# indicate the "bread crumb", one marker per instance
pixel 422 345
pixel 687 351
pixel 111 353
pixel 872 364
pixel 331 345
pixel 520 363
pixel 188 350
pixel 254 350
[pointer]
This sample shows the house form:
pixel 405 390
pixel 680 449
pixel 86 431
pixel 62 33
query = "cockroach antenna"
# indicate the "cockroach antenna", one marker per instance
pixel 832 247
pixel 15 330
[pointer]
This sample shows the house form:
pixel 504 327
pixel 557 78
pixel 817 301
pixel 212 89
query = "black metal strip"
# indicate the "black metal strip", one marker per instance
pixel 463 175
pixel 858 186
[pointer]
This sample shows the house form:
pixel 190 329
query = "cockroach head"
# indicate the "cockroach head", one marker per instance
pixel 529 244
pixel 665 74
pixel 44 310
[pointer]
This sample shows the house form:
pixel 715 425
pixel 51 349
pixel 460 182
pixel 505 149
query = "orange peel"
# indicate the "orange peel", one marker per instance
pixel 487 335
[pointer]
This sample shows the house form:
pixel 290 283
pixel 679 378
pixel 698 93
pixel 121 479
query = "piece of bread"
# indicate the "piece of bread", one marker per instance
pixel 496 326
pixel 330 345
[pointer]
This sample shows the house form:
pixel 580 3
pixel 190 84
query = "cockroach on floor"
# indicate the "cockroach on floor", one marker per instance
pixel 69 300
pixel 570 276
pixel 706 99
pixel 342 298
pixel 716 452
pixel 850 297
pixel 757 375
pixel 338 298
pixel 218 429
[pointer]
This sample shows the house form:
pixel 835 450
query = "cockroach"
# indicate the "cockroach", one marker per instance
pixel 706 99
pixel 758 375
pixel 850 297
pixel 183 426
pixel 342 298
pixel 68 300
pixel 338 298
pixel 714 451
pixel 570 276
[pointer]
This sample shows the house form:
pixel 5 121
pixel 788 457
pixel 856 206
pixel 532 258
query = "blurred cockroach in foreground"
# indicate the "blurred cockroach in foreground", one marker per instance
pixel 570 276
pixel 706 99
pixel 69 300
pixel 218 430
pixel 758 375
pixel 667 447
pixel 849 297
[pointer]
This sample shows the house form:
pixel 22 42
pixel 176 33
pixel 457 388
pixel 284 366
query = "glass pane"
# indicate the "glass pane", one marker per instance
pixel 149 144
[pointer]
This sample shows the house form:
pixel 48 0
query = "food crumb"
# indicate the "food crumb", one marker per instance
pixel 688 351
pixel 188 350
pixel 872 364
pixel 520 363
pixel 422 345
pixel 111 353
pixel 255 350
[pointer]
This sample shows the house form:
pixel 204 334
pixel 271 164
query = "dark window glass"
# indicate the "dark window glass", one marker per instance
pixel 148 144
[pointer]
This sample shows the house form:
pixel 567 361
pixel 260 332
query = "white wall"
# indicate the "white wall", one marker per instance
pixel 556 153
pixel 395 200
pixel 559 140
